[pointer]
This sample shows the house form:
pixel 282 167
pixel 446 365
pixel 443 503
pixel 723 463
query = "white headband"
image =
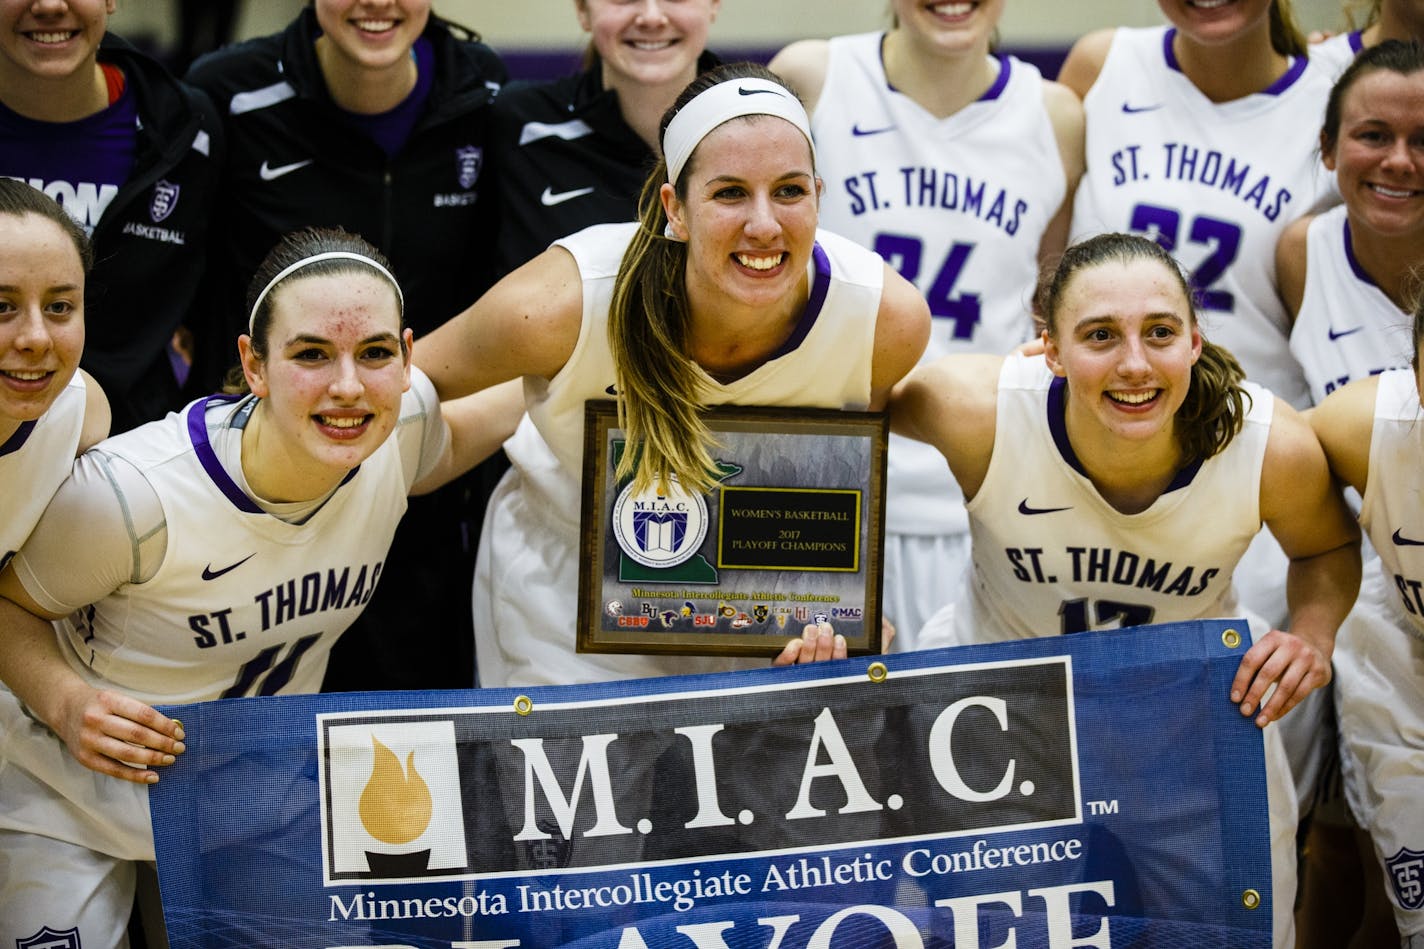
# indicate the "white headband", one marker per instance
pixel 314 258
pixel 724 101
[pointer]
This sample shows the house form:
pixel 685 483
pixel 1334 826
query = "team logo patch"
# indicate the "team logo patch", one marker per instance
pixel 48 938
pixel 1406 875
pixel 395 808
pixel 468 162
pixel 761 611
pixel 613 607
pixel 165 199
pixel 660 530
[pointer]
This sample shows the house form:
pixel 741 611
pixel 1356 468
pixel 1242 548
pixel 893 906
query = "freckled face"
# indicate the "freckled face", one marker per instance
pixel 41 315
pixel 750 215
pixel 334 374
pixel 1125 340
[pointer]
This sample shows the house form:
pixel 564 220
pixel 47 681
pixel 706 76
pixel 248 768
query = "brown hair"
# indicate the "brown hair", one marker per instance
pixel 1397 56
pixel 1286 36
pixel 660 390
pixel 292 249
pixel 18 198
pixel 1215 407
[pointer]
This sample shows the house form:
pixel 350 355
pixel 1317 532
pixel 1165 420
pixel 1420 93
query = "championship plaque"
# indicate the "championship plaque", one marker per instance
pixel 791 533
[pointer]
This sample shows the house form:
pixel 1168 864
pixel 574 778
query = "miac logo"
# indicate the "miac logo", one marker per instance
pixel 393 800
pixel 660 530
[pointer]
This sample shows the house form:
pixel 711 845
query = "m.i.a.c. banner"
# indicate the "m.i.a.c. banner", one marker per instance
pixel 1092 790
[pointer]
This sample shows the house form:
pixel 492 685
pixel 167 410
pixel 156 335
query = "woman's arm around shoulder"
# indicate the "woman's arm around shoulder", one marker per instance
pixel 1065 111
pixel 902 330
pixel 952 404
pixel 1290 265
pixel 1304 509
pixel 478 424
pixel 525 325
pixel 96 414
pixel 1085 61
pixel 1344 424
pixel 803 66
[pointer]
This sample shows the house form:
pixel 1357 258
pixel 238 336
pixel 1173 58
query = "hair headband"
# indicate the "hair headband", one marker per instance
pixel 290 269
pixel 724 101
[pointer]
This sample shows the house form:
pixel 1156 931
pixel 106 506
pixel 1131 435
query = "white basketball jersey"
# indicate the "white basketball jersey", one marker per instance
pixel 1334 55
pixel 1050 555
pixel 1393 510
pixel 34 462
pixel 243 603
pixel 958 205
pixel 1347 327
pixel 526 582
pixel 1215 183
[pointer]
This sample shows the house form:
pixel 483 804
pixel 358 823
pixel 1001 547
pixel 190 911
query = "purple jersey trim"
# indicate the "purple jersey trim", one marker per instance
pixel 1288 78
pixel 198 433
pixel 1353 260
pixel 17 441
pixel 1058 426
pixel 817 299
pixel 1000 84
pixel 1356 40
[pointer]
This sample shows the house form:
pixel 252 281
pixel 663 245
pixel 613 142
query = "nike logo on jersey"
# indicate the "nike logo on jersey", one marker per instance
pixel 210 574
pixel 859 132
pixel 1336 334
pixel 1025 509
pixel 612 390
pixel 550 197
pixel 1134 109
pixel 268 173
pixel 753 92
pixel 1401 541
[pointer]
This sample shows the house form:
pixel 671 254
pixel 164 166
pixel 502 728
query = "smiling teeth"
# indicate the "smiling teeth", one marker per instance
pixel 375 26
pixel 52 37
pixel 1133 398
pixel 1207 4
pixel 759 263
pixel 952 9
pixel 1393 192
pixel 343 422
pixel 651 46
pixel 32 375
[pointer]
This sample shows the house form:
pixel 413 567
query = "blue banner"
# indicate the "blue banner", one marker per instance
pixel 1089 790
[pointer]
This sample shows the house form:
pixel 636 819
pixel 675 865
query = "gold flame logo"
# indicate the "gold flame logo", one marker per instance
pixel 396 804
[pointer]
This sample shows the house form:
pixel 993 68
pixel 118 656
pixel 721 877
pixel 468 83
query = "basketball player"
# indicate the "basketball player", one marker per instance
pixel 50 410
pixel 1384 20
pixel 216 553
pixel 1349 276
pixel 723 293
pixel 1370 431
pixel 1153 465
pixel 958 167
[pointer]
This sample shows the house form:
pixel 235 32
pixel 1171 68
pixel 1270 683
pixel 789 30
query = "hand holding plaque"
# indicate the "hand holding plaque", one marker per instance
pixel 789 535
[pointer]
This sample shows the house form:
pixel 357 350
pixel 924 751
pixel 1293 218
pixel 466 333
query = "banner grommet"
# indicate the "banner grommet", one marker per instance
pixel 523 705
pixel 1251 899
pixel 877 672
pixel 1231 639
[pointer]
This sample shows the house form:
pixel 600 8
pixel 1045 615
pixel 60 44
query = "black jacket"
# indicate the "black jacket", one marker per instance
pixel 294 161
pixel 151 242
pixel 578 163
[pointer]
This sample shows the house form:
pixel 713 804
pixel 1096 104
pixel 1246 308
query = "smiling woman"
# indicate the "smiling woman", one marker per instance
pixel 218 553
pixel 1150 467
pixel 724 292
